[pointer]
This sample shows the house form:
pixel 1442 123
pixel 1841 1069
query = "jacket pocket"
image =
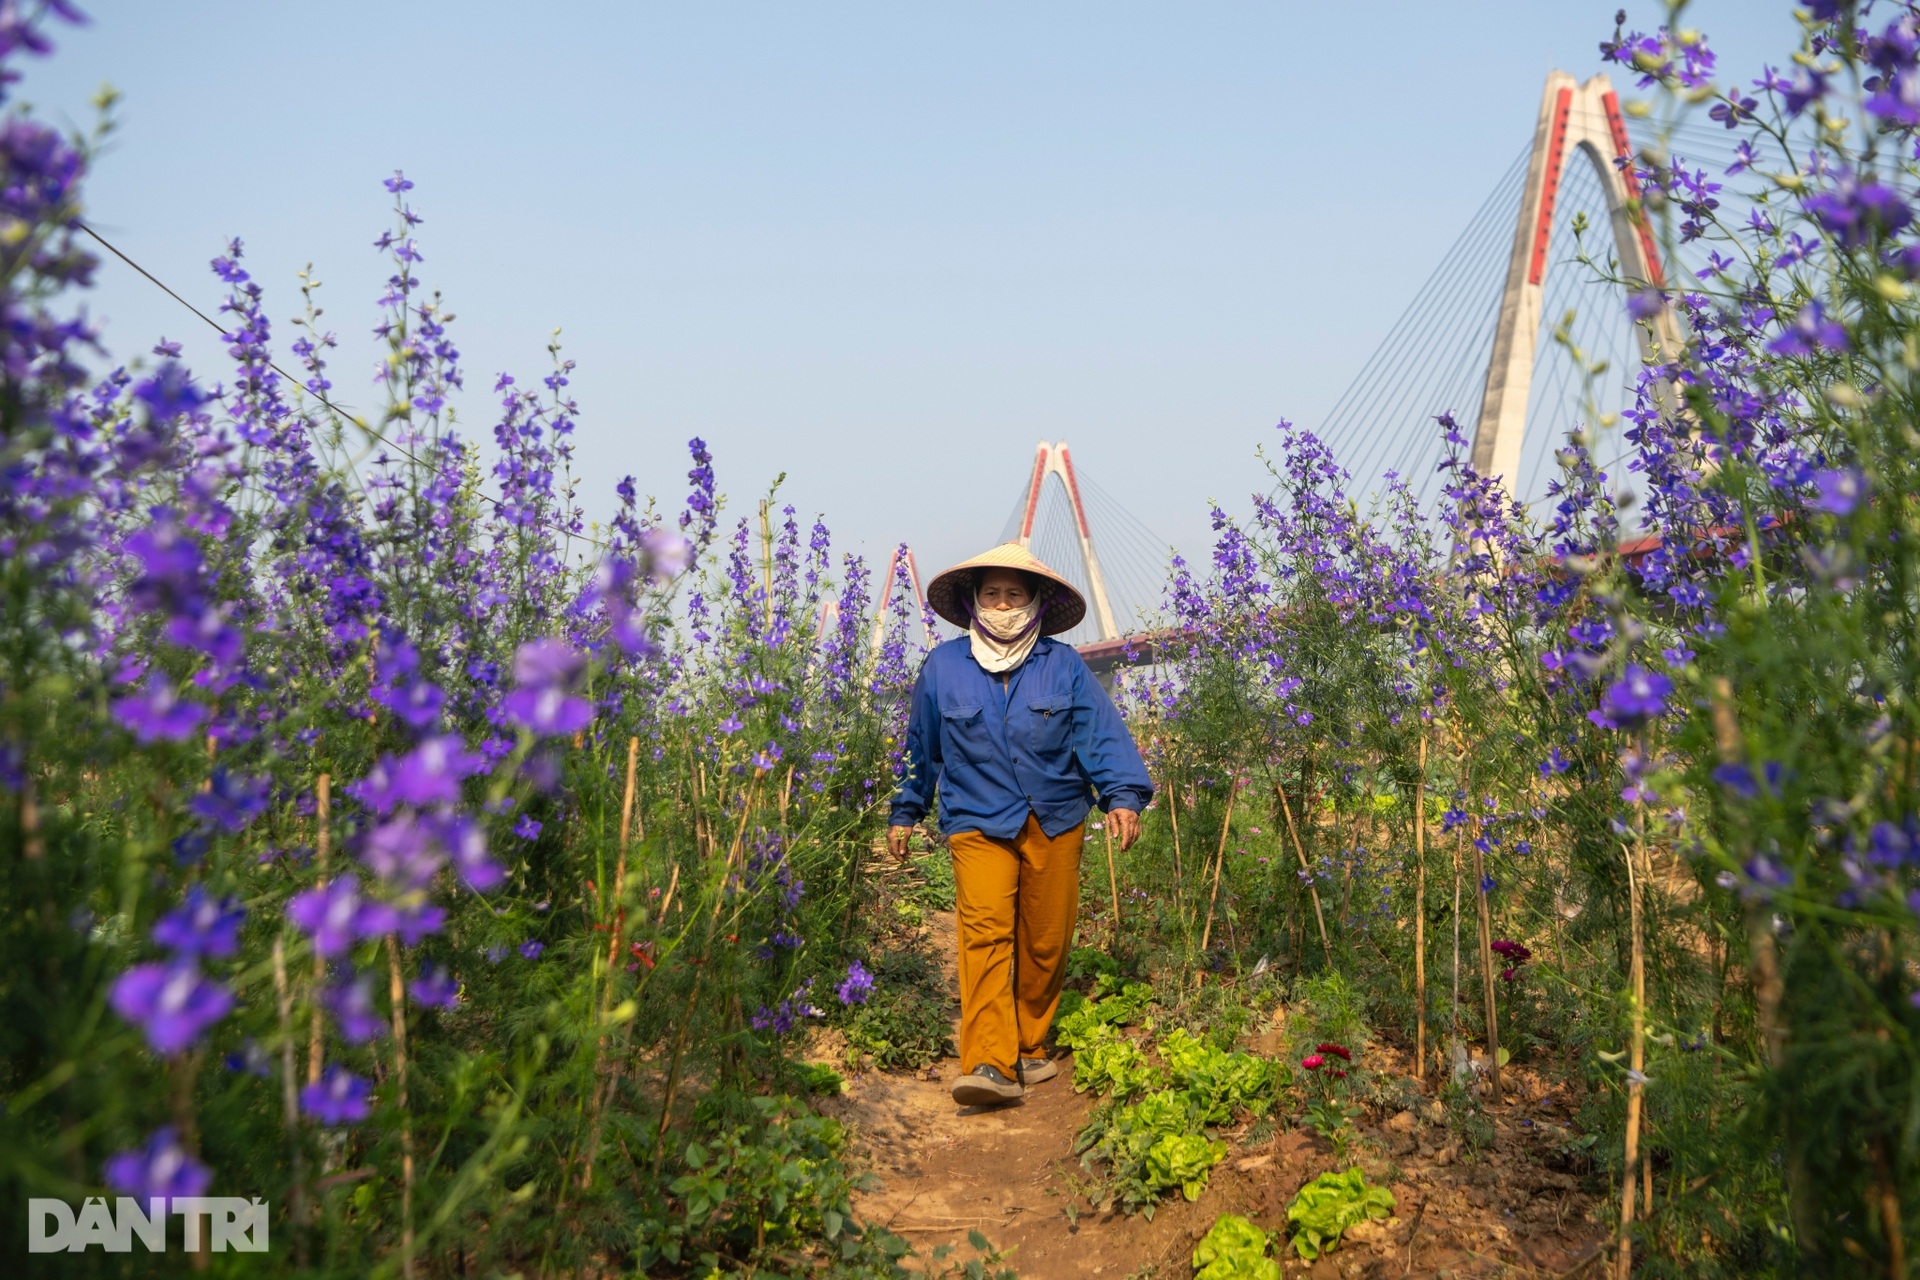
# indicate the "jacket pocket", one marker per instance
pixel 964 735
pixel 1051 725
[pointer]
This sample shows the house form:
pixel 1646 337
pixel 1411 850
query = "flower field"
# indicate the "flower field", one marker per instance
pixel 477 885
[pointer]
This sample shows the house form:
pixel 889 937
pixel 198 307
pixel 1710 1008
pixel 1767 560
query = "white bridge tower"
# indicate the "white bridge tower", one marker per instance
pixel 1583 118
pixel 1052 459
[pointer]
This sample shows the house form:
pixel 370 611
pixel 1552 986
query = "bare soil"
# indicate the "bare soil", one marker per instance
pixel 1010 1173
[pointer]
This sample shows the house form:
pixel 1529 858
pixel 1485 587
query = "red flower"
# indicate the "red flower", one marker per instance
pixel 1313 1062
pixel 1339 1075
pixel 1336 1050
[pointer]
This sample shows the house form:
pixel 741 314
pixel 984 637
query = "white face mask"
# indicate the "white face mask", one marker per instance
pixel 1002 638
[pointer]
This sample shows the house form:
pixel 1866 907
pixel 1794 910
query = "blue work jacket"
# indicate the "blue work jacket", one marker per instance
pixel 1043 738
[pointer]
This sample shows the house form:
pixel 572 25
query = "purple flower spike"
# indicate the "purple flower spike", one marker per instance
pixel 857 987
pixel 1838 491
pixel 156 714
pixel 546 664
pixel 231 801
pixel 172 1003
pixel 665 554
pixel 338 916
pixel 404 852
pixel 435 988
pixel 202 925
pixel 338 1097
pixel 161 1168
pixel 548 712
pixel 351 1003
pixel 467 842
pixel 1810 331
pixel 1637 696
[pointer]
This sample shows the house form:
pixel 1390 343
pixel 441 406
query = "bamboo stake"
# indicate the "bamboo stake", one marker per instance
pixel 289 1099
pixel 1420 916
pixel 397 995
pixel 1623 1261
pixel 1300 852
pixel 1179 879
pixel 1226 829
pixel 1453 1034
pixel 1113 880
pixel 322 838
pixel 1486 970
pixel 601 1094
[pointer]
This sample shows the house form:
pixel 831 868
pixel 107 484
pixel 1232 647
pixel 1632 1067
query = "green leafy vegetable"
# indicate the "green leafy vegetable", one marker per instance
pixel 1234 1249
pixel 1183 1160
pixel 1330 1204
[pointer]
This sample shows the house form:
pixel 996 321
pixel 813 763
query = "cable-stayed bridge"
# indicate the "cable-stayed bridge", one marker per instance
pixel 1484 338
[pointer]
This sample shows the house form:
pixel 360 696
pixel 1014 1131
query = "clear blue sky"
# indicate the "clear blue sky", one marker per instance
pixel 881 247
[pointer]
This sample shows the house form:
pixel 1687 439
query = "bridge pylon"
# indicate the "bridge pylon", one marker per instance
pixel 1052 459
pixel 1581 118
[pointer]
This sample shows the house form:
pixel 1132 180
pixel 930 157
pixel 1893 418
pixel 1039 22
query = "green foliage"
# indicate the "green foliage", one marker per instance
pixel 1220 1084
pixel 752 1191
pixel 1234 1249
pixel 1117 1067
pixel 908 1020
pixel 987 1265
pixel 1090 1022
pixel 1089 962
pixel 1183 1160
pixel 1330 1204
pixel 931 888
pixel 1150 1146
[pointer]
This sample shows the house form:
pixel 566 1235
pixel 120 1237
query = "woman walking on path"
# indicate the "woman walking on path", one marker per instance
pixel 1021 741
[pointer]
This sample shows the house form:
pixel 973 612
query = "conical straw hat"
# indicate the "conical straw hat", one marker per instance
pixel 951 593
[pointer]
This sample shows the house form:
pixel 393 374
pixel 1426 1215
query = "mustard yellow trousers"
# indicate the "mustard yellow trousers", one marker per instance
pixel 1016 901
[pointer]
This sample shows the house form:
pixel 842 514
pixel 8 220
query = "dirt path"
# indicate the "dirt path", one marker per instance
pixel 1010 1173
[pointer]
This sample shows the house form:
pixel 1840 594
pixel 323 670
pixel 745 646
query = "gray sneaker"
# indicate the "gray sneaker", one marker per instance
pixel 985 1087
pixel 1036 1070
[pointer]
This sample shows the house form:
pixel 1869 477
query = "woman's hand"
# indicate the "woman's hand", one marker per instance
pixel 897 841
pixel 1126 825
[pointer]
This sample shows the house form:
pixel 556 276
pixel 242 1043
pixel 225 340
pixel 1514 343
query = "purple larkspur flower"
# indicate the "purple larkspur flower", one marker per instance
pixel 172 1003
pixel 156 714
pixel 206 631
pixel 404 851
pixel 1838 490
pixel 430 774
pixel 527 828
pixel 664 554
pixel 1810 330
pixel 531 948
pixel 202 925
pixel 548 663
pixel 1637 696
pixel 466 841
pixel 351 1003
pixel 339 915
pixel 230 801
pixel 169 391
pixel 549 712
pixel 1554 763
pixel 435 987
pixel 857 986
pixel 338 1097
pixel 163 1168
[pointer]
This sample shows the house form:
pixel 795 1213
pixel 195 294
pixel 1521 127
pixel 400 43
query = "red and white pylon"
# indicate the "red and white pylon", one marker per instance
pixel 1052 459
pixel 1574 117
